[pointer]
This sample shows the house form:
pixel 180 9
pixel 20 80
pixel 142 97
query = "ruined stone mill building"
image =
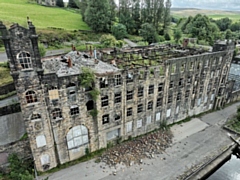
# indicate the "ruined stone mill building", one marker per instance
pixel 138 89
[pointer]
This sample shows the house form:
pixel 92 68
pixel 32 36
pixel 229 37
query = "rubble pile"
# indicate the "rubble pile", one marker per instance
pixel 136 150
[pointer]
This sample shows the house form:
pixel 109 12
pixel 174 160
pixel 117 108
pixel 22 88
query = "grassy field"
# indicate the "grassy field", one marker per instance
pixel 41 16
pixel 215 14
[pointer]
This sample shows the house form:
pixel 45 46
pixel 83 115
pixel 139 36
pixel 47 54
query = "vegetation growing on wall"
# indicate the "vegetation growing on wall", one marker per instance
pixel 87 79
pixel 19 169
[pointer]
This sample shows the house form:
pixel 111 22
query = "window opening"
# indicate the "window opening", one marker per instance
pixel 140 108
pixel 118 97
pixel 31 97
pixel 129 95
pixel 25 60
pixel 129 111
pixel 105 119
pixel 104 101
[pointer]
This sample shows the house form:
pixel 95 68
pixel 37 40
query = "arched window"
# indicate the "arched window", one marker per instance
pixel 31 97
pixel 35 116
pixel 77 136
pixel 25 60
pixel 57 114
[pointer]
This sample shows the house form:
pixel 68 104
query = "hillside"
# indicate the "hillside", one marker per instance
pixel 41 16
pixel 215 14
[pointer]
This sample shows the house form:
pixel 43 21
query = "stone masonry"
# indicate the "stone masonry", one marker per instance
pixel 139 88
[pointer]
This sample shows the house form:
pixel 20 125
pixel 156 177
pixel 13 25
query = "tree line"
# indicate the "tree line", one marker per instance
pixel 133 17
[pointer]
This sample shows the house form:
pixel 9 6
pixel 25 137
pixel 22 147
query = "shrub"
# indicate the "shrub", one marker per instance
pixel 108 40
pixel 119 31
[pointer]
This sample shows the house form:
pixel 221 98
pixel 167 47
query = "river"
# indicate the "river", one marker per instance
pixel 229 171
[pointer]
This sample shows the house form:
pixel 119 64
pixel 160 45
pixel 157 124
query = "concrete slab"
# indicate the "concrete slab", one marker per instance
pixel 187 129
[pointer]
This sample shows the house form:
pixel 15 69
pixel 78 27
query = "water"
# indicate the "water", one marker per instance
pixel 229 171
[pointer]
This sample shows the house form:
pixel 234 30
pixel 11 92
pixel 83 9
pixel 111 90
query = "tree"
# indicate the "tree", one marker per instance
pixel 167 17
pixel 59 3
pixel 229 34
pixel 224 23
pixel 149 33
pixel 72 4
pixel 119 31
pixel 177 35
pixel 235 26
pixel 97 15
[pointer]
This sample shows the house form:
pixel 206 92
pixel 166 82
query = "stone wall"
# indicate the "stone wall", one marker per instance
pixel 7 88
pixel 10 109
pixel 22 148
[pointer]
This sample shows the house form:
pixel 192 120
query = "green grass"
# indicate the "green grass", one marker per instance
pixel 233 17
pixel 41 16
pixel 5 76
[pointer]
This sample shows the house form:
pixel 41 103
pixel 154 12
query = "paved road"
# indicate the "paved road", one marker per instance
pixel 130 43
pixel 193 143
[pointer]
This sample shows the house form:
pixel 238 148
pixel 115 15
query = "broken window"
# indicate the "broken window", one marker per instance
pixel 35 116
pixel 181 82
pixel 31 97
pixel 191 65
pixel 103 82
pixel 129 111
pixel 57 114
pixel 187 94
pixel 189 80
pixel 129 126
pixel 173 68
pixel 140 91
pixel 183 67
pixel 171 84
pixel 117 80
pixel 117 98
pixel 104 101
pixel 139 123
pixel 129 95
pixel 159 102
pixel 129 77
pixel 160 87
pixel 161 71
pixel 150 105
pixel 71 91
pixel 45 159
pixel 90 105
pixel 77 136
pixel 74 110
pixel 151 89
pixel 179 96
pixel 105 119
pixel 117 116
pixel 140 108
pixel 170 99
pixel 24 59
